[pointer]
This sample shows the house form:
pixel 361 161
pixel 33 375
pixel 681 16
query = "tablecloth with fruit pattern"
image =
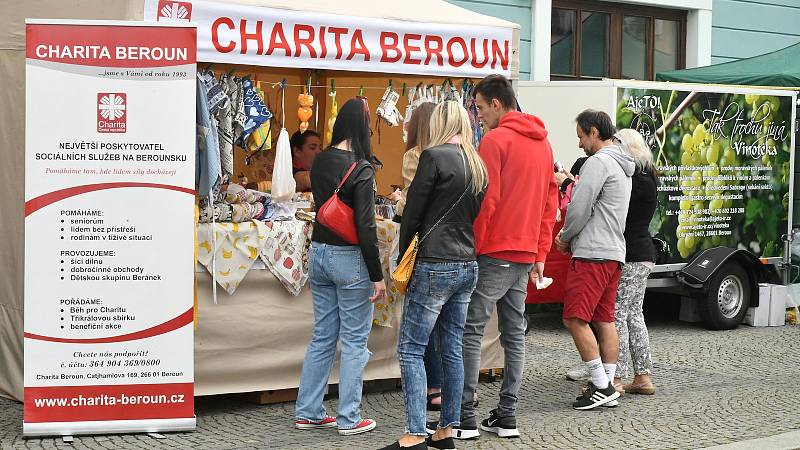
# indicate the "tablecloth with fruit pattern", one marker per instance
pixel 283 247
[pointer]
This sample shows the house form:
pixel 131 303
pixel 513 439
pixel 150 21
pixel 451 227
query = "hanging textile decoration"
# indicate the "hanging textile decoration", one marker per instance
pixel 387 108
pixel 304 112
pixel 261 138
pixel 231 256
pixel 214 91
pixel 410 107
pixel 285 253
pixel 208 174
pixel 256 111
pixel 472 110
pixel 334 111
pixel 231 121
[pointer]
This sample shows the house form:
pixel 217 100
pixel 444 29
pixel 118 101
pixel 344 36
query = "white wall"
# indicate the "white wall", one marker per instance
pixel 558 103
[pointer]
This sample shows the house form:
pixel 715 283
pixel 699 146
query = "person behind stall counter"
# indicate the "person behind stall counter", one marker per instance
pixel 305 147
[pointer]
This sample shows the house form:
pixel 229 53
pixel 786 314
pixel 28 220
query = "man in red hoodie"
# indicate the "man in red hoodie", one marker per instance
pixel 513 234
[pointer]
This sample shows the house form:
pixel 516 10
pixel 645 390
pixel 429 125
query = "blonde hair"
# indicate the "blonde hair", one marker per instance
pixel 634 146
pixel 451 119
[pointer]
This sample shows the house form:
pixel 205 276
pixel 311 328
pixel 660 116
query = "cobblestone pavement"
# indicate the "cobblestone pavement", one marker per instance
pixel 713 388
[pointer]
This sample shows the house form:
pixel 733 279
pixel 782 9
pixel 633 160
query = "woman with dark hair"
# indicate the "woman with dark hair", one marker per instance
pixel 305 146
pixel 345 279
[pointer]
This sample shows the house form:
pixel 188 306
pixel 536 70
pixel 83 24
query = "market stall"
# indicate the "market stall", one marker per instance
pixel 251 333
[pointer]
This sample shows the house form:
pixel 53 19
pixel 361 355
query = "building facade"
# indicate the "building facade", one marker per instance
pixel 585 39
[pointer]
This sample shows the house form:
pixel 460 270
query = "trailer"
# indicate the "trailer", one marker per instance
pixel 726 161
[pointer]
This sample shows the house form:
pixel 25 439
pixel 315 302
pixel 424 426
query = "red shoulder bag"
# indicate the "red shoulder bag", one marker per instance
pixel 336 216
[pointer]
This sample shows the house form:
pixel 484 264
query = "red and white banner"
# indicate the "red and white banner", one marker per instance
pixel 109 227
pixel 241 34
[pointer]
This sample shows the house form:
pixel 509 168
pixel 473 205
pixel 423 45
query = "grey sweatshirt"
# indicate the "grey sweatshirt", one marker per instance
pixel 596 214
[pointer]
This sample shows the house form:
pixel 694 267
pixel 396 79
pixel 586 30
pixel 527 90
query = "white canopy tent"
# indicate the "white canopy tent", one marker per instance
pixel 12 151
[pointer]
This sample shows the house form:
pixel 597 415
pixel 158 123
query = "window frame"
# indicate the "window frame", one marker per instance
pixel 616 12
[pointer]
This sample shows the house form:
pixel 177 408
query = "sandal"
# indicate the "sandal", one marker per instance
pixel 434 406
pixel 641 389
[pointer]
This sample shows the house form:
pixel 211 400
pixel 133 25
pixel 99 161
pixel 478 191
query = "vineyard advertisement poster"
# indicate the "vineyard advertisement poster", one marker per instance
pixel 724 162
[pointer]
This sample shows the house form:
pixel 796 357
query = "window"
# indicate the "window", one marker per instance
pixel 596 39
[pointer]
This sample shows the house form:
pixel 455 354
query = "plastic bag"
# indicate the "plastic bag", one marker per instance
pixel 283 184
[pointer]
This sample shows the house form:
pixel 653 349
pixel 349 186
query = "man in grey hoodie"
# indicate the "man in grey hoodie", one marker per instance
pixel 593 231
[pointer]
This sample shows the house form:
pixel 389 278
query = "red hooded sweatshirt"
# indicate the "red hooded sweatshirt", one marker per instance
pixel 517 216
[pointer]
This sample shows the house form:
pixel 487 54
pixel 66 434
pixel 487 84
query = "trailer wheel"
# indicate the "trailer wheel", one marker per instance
pixel 728 297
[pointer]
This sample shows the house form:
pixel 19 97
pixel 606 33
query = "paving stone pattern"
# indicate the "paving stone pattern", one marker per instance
pixel 713 388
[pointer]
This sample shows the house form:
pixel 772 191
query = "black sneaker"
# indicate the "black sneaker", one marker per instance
pixel 441 444
pixel 467 430
pixel 396 446
pixel 504 427
pixel 595 397
pixel 611 404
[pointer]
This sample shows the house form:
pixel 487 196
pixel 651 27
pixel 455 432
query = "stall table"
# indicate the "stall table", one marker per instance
pixel 256 339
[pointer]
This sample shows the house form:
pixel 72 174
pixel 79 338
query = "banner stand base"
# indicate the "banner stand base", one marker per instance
pixel 107 427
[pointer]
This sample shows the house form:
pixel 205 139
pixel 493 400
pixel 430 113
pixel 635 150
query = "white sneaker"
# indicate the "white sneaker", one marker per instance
pixel 579 373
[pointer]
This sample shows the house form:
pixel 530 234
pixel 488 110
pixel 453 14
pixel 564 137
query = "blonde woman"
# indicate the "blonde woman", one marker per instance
pixel 419 138
pixel 443 200
pixel 634 341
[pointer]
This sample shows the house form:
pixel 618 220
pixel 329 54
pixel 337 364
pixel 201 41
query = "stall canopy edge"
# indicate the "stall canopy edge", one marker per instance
pixel 778 68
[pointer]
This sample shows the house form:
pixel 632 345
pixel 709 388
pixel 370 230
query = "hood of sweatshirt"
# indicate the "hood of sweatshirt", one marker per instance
pixel 525 124
pixel 623 159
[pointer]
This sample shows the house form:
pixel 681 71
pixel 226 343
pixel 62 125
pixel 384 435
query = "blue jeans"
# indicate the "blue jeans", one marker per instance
pixel 340 288
pixel 433 363
pixel 438 291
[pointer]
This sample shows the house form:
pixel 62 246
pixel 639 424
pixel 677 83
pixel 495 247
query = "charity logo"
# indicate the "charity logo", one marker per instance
pixel 112 112
pixel 170 11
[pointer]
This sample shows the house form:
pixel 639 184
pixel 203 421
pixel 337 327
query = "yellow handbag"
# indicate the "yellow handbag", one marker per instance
pixel 401 276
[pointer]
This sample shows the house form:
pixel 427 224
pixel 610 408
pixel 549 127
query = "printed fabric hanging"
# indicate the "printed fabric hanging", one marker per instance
pixel 256 111
pixel 214 91
pixel 231 121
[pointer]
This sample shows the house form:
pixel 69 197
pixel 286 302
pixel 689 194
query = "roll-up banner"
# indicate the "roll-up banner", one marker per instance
pixel 109 227
pixel 254 35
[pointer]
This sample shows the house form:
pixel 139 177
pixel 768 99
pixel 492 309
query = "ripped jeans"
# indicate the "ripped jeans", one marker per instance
pixel 438 293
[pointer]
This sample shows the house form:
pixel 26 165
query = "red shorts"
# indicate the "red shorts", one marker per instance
pixel 591 290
